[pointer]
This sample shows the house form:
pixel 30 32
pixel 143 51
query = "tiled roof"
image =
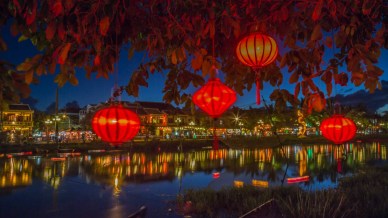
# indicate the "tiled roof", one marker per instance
pixel 152 111
pixel 159 105
pixel 19 107
pixel 138 110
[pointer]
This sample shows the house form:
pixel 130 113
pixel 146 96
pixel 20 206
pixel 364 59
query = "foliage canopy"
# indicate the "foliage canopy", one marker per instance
pixel 177 39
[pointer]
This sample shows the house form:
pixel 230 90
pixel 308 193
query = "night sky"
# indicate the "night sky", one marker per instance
pixel 95 90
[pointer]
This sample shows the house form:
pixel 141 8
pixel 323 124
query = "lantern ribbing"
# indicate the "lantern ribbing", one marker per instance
pixel 116 124
pixel 214 97
pixel 338 129
pixel 256 51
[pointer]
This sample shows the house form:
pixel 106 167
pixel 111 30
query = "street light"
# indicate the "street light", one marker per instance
pixel 47 122
pixel 68 118
pixel 56 120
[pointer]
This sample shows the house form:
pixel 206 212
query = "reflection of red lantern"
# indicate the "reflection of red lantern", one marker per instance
pixel 338 129
pixel 257 50
pixel 116 124
pixel 216 175
pixel 298 179
pixel 214 98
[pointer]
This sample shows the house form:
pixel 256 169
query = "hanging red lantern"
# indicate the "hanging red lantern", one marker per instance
pixel 257 50
pixel 116 124
pixel 214 97
pixel 338 129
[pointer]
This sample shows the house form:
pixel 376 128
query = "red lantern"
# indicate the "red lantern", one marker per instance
pixel 214 97
pixel 338 129
pixel 116 124
pixel 257 50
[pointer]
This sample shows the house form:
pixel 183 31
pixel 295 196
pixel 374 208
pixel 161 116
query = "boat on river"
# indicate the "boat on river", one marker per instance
pixel 140 213
pixel 268 209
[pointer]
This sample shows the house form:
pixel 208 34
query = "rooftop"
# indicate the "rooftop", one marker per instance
pixel 19 107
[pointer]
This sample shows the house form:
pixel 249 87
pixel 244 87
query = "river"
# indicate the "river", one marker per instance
pixel 116 183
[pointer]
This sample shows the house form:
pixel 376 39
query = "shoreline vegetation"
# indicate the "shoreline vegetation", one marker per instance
pixel 361 195
pixel 184 144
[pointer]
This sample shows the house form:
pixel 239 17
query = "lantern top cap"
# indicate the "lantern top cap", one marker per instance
pixel 215 79
pixel 338 115
pixel 258 33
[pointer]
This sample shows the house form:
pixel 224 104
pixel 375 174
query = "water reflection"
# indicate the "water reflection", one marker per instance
pixel 320 162
pixel 119 183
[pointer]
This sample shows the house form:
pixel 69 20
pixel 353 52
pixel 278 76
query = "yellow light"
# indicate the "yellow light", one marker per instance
pixel 238 184
pixel 260 183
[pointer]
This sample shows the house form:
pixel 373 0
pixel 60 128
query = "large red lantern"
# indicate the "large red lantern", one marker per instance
pixel 338 129
pixel 214 97
pixel 116 124
pixel 257 50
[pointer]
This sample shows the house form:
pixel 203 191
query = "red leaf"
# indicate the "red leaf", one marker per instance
pixel 61 31
pixel 317 10
pixel 97 60
pixel 104 25
pixel 284 13
pixel 64 52
pixel 57 8
pixel 29 76
pixel 318 102
pixel 17 5
pixel 297 90
pixel 50 31
pixel 30 15
pixel 341 79
pixel 14 29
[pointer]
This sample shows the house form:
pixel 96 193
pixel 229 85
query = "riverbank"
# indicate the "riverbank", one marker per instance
pixel 183 144
pixel 361 195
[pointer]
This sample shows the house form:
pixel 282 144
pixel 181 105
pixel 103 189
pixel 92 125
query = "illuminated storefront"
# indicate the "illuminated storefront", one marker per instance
pixel 17 121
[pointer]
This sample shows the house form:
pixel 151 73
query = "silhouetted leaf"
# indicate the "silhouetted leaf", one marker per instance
pixel 63 54
pixel 104 25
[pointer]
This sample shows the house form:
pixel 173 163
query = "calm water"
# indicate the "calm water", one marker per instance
pixel 117 183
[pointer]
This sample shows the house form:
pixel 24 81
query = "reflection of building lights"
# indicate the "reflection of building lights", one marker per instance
pixel 260 183
pixel 238 184
pixel 116 182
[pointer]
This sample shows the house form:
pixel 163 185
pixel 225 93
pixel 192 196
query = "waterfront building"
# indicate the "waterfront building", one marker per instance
pixel 17 122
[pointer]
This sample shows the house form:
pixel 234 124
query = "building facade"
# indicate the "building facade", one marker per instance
pixel 17 122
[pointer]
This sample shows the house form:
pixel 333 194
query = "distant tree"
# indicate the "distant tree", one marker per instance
pixel 176 37
pixel 39 120
pixel 86 122
pixel 12 83
pixel 72 107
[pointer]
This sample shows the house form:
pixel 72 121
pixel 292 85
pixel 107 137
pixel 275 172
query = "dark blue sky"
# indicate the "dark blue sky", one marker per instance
pixel 95 90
